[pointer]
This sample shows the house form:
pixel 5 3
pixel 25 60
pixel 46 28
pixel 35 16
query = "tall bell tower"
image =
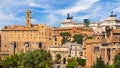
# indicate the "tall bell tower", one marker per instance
pixel 28 19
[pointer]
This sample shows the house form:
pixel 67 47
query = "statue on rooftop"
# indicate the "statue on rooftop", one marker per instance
pixel 68 16
pixel 113 15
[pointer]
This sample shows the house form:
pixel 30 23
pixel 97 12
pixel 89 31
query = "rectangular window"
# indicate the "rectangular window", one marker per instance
pixel 81 53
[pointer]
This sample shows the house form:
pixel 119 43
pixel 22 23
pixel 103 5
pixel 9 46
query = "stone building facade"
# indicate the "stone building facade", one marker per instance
pixel 72 30
pixel 112 21
pixel 23 38
pixel 68 50
pixel 105 42
pixel 102 46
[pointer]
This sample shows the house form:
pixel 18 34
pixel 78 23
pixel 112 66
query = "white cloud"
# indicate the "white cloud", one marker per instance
pixel 117 9
pixel 80 5
pixel 12 14
pixel 81 17
pixel 10 19
pixel 32 4
pixel 52 19
pixel 7 17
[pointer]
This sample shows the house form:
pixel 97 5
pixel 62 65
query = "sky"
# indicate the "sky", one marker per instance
pixel 53 12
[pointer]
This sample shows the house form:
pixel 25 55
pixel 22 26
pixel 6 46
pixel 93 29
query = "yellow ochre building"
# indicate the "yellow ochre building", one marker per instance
pixel 105 42
pixel 16 38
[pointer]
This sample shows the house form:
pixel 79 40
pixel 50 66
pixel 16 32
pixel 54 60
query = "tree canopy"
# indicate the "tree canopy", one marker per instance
pixel 78 38
pixel 81 62
pixel 117 61
pixel 90 37
pixel 58 57
pixel 72 63
pixel 99 64
pixel 65 37
pixel 31 59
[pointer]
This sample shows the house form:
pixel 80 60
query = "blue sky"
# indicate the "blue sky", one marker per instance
pixel 52 12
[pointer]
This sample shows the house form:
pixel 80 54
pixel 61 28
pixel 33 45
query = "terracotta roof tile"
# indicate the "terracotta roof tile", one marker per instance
pixel 15 27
